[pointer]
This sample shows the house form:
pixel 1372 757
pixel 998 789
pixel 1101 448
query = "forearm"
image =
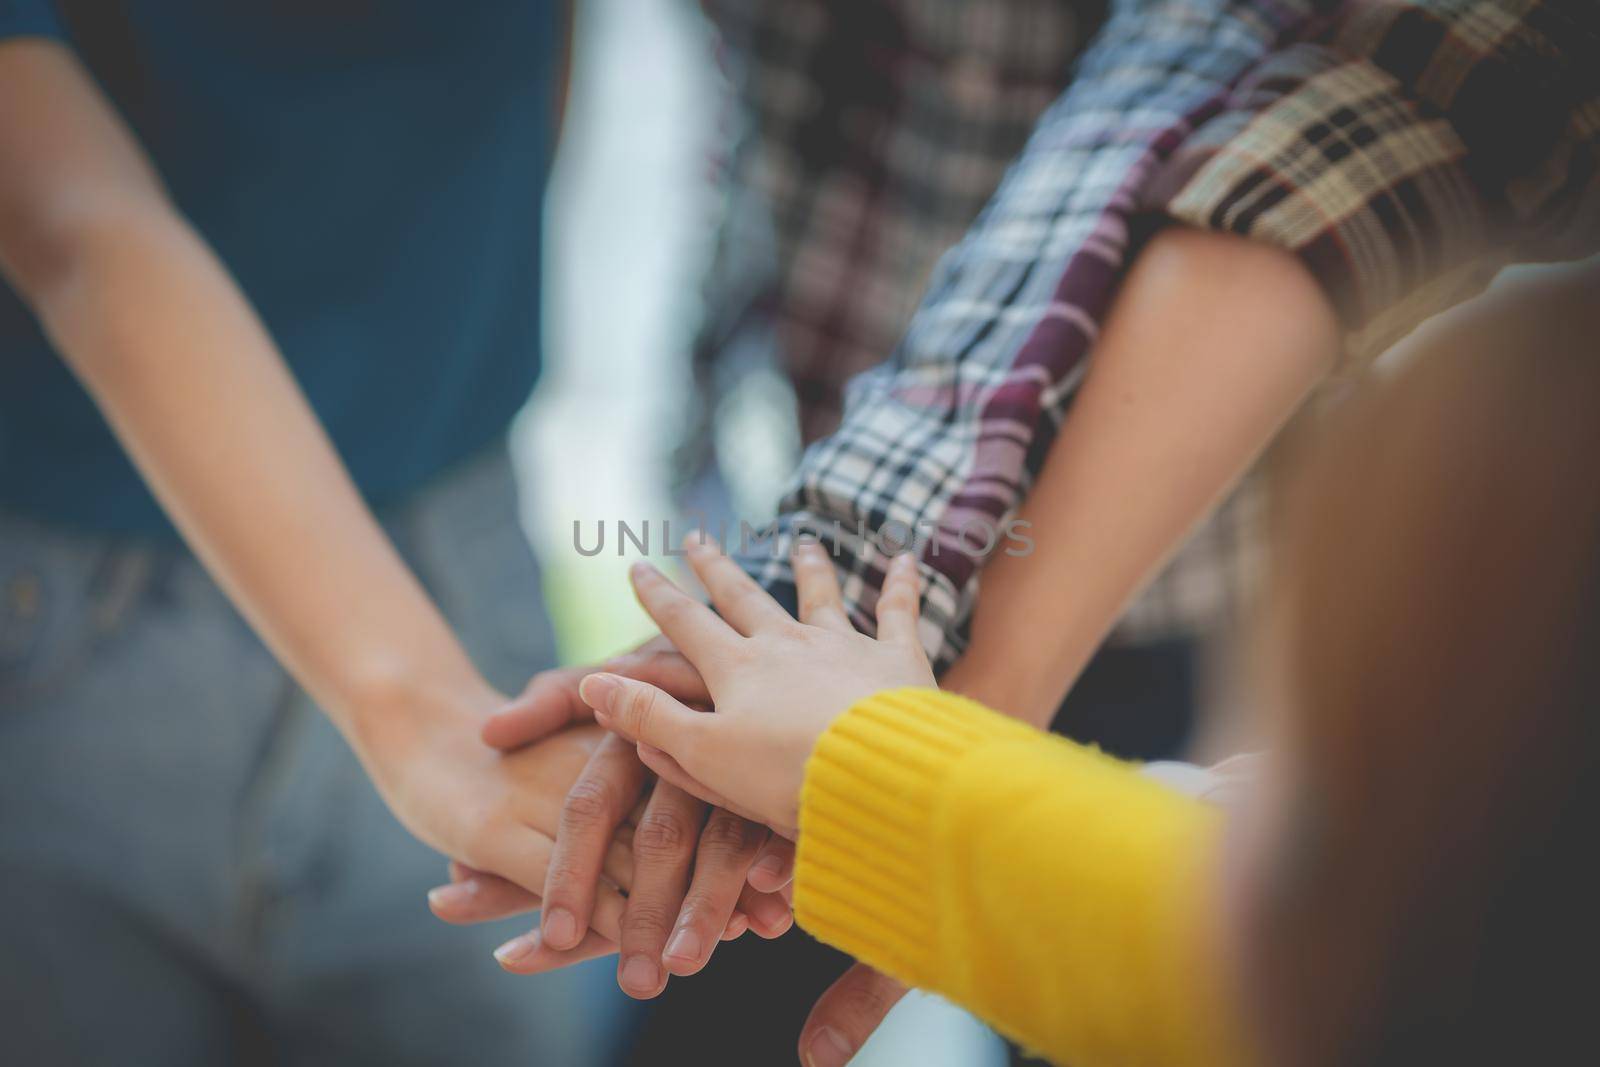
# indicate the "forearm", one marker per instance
pixel 922 819
pixel 188 378
pixel 151 322
pixel 1210 346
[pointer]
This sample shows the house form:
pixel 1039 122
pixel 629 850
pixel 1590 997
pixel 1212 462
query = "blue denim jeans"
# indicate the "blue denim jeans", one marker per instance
pixel 193 868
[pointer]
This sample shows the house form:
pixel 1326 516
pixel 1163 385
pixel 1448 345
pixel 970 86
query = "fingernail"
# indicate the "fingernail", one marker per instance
pixel 640 975
pixel 642 570
pixel 454 895
pixel 736 927
pixel 685 945
pixel 597 690
pixel 769 913
pixel 517 949
pixel 560 928
pixel 771 865
pixel 828 1048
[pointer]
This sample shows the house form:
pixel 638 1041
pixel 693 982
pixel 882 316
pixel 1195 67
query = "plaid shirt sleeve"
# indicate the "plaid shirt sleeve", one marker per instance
pixel 1364 143
pixel 1410 153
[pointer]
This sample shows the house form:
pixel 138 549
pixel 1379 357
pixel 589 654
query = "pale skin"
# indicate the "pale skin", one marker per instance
pixel 132 297
pixel 190 381
pixel 1212 344
pixel 775 682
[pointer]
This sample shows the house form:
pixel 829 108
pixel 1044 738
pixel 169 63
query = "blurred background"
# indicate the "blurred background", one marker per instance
pixel 631 214
pixel 629 218
pixel 747 203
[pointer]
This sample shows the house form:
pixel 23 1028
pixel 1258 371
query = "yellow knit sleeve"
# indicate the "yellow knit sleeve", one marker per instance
pixel 1051 889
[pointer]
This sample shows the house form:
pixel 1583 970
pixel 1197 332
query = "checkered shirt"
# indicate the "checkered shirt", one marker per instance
pixel 1405 150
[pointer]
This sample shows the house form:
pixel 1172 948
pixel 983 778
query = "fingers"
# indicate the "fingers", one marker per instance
pixel 727 846
pixel 774 865
pixel 898 602
pixel 670 770
pixel 663 850
pixel 686 622
pixel 664 668
pixel 522 857
pixel 600 799
pixel 770 914
pixel 641 712
pixel 737 596
pixel 845 1016
pixel 529 954
pixel 548 703
pixel 818 586
pixel 477 896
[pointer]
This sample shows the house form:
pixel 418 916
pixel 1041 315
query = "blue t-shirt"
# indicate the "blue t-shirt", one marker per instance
pixel 372 173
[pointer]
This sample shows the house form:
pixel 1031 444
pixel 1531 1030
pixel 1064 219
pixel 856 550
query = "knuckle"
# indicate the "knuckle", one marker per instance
pixel 647 916
pixel 814 603
pixel 728 836
pixel 568 883
pixel 645 706
pixel 661 833
pixel 699 910
pixel 797 640
pixel 587 804
pixel 870 999
pixel 635 706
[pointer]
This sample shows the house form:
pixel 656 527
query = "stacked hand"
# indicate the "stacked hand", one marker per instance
pixel 698 874
pixel 775 683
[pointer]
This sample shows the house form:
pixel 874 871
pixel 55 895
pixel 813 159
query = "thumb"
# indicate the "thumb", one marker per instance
pixel 640 712
pixel 548 703
pixel 846 1015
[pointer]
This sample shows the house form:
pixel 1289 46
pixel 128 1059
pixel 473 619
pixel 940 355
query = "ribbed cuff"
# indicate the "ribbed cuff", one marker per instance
pixel 866 876
pixel 1042 884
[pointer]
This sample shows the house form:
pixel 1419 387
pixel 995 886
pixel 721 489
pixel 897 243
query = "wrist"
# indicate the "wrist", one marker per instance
pixel 381 704
pixel 1024 691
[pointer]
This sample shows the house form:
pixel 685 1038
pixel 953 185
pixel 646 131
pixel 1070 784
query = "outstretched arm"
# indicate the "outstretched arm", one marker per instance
pixel 1399 187
pixel 920 817
pixel 184 371
pixel 1211 345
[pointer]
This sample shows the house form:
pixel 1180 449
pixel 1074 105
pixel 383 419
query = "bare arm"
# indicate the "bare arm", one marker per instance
pixel 1212 344
pixel 182 368
pixel 184 371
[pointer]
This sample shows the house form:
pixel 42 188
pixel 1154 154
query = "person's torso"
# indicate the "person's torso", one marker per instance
pixel 372 174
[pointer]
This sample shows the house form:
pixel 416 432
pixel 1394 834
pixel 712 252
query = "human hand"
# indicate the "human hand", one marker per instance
pixel 846 1015
pixel 690 866
pixel 494 812
pixel 550 700
pixel 775 683
pixel 473 896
